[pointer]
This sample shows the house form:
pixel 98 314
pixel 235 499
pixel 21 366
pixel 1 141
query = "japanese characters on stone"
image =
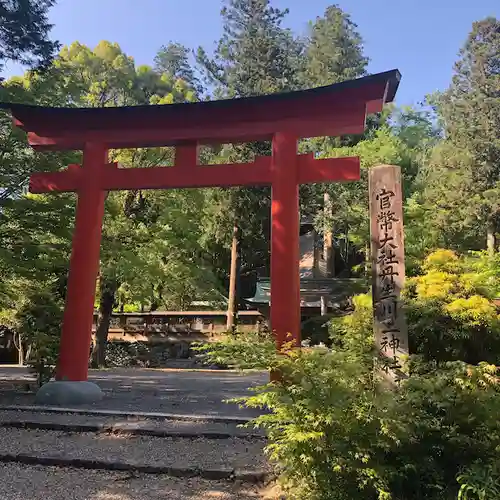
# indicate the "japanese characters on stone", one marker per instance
pixel 387 268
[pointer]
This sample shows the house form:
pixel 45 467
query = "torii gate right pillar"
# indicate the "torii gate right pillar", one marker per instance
pixel 285 277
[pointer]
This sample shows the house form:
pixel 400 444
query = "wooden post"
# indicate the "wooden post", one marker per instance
pixel 232 303
pixel 388 268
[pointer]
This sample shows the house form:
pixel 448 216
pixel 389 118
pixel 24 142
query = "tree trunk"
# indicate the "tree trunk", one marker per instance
pixel 21 352
pixel 232 303
pixel 368 257
pixel 491 240
pixel 20 348
pixel 328 254
pixel 101 336
pixel 156 298
pixel 28 353
pixel 324 305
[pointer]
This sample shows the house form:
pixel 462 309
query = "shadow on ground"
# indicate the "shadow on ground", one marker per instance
pixel 145 390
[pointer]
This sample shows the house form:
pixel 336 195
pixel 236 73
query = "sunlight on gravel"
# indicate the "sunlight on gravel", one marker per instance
pixel 20 482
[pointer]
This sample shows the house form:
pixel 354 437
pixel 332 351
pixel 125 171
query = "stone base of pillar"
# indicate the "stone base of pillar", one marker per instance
pixel 67 393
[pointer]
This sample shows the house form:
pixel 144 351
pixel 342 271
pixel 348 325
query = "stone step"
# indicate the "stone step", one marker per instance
pixel 239 458
pixel 126 424
pixel 99 412
pixel 34 482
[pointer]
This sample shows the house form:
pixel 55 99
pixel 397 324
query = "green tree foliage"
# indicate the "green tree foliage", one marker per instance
pixel 255 54
pixel 349 217
pixel 38 320
pixel 334 50
pixel 137 258
pixel 173 60
pixel 450 314
pixel 333 53
pixel 150 250
pixel 404 137
pixel 24 32
pixel 35 231
pixel 467 162
pixel 449 309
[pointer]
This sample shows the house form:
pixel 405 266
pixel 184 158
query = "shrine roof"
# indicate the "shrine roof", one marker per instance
pixel 337 109
pixel 311 289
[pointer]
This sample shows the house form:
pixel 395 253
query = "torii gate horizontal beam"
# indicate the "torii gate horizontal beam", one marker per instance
pixel 332 110
pixel 190 175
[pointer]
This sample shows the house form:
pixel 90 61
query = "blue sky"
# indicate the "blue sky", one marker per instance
pixel 419 37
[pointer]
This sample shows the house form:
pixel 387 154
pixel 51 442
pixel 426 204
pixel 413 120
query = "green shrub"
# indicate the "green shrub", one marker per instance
pixel 249 350
pixel 353 333
pixel 325 425
pixel 484 272
pixel 449 314
pixel 39 319
pixel 480 482
pixel 450 428
pixel 334 434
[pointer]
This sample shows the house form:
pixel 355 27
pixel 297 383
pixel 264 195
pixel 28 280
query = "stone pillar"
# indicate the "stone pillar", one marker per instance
pixel 388 269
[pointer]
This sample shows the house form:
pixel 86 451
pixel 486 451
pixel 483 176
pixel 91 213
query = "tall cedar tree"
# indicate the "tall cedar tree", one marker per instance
pixel 173 60
pixel 334 53
pixel 24 32
pixel 334 50
pixel 469 158
pixel 254 56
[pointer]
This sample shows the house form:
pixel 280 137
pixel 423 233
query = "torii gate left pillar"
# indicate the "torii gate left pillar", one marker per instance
pixel 83 267
pixel 335 110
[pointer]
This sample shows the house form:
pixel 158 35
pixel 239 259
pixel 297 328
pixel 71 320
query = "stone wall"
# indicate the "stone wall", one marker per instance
pixel 150 355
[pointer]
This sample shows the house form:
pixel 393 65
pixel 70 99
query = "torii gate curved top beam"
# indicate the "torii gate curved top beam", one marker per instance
pixel 333 110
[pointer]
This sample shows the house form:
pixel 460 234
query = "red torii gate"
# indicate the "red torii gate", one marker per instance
pixel 333 110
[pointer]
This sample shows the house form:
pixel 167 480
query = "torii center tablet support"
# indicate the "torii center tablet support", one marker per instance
pixel 284 119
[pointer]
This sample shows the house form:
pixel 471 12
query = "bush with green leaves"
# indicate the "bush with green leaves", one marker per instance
pixel 448 308
pixel 39 320
pixel 239 350
pixel 336 434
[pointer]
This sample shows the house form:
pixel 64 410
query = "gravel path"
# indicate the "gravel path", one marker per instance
pixel 48 483
pixel 123 423
pixel 234 453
